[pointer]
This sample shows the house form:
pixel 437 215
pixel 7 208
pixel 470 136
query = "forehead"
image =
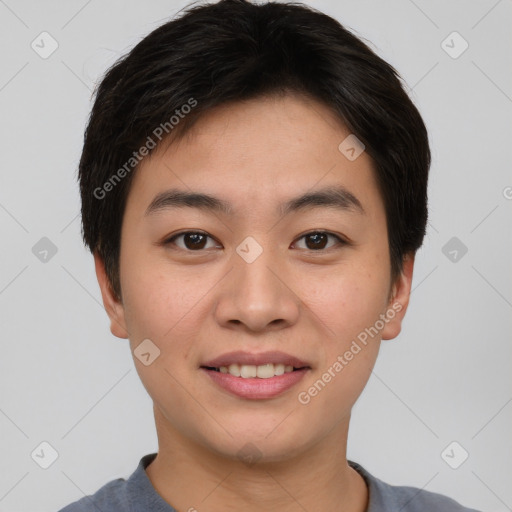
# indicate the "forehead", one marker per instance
pixel 255 152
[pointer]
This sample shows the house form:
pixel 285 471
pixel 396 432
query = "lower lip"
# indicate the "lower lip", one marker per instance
pixel 256 388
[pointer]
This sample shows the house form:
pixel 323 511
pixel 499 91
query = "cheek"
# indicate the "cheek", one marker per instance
pixel 167 308
pixel 159 298
pixel 171 307
pixel 348 309
pixel 347 300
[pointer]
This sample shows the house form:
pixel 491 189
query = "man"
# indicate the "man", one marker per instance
pixel 254 189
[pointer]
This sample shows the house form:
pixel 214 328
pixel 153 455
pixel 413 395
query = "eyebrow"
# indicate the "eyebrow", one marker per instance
pixel 337 197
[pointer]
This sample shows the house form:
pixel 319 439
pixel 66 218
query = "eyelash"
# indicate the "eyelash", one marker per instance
pixel 340 241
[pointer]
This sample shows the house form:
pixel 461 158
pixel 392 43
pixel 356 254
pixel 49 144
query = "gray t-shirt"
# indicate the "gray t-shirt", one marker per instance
pixel 137 494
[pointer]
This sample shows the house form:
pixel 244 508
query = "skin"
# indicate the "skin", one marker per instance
pixel 196 305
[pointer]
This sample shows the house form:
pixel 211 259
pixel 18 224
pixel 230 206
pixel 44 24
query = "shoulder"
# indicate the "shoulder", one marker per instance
pixel 383 497
pixel 133 495
pixel 112 496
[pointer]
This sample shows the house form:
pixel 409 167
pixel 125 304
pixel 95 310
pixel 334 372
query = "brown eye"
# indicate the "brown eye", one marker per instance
pixel 194 240
pixel 318 240
pixel 190 240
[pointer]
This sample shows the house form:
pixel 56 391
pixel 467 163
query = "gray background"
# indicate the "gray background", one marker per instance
pixel 67 381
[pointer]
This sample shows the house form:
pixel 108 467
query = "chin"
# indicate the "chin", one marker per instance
pixel 253 444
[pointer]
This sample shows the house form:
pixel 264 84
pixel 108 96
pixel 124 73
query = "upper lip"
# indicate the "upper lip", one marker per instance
pixel 246 358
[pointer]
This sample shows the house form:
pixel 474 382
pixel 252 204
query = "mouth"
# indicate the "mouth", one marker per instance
pixel 249 371
pixel 255 376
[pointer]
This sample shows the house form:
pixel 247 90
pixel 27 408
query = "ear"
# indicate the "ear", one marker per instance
pixel 399 300
pixel 113 306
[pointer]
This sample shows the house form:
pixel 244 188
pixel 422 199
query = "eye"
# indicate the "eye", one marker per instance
pixel 318 240
pixel 190 240
pixel 197 240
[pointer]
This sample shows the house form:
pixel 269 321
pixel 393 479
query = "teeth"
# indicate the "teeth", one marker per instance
pixel 234 369
pixel 264 371
pixel 248 371
pixel 278 369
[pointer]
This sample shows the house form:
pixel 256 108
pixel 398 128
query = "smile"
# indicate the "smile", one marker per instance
pixel 247 371
pixel 255 376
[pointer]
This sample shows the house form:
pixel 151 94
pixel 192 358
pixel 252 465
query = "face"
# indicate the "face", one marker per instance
pixel 274 266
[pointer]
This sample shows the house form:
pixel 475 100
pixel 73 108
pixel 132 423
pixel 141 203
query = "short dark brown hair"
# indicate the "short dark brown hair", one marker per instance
pixel 235 50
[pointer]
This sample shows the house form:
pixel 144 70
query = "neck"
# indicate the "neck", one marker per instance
pixel 191 477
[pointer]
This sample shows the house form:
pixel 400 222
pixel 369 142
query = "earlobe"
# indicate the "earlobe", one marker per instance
pixel 399 300
pixel 112 305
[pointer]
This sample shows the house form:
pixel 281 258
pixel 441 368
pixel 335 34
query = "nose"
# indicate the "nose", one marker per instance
pixel 257 296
